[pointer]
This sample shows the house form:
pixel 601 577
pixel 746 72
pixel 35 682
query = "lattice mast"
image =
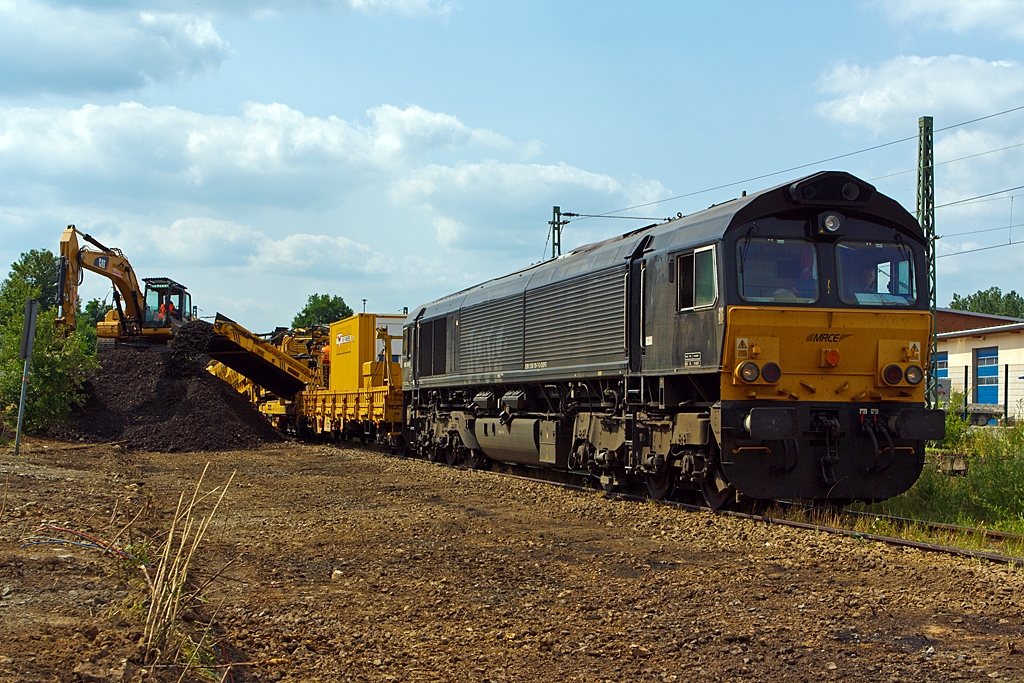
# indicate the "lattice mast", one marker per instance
pixel 556 224
pixel 926 217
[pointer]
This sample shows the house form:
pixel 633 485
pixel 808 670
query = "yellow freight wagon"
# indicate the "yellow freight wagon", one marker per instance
pixel 361 392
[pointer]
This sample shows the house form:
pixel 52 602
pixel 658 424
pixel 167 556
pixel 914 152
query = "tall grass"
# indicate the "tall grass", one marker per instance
pixel 170 592
pixel 990 494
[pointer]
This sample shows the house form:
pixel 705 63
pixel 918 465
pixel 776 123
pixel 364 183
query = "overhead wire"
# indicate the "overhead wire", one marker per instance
pixel 975 232
pixel 801 166
pixel 971 251
pixel 980 196
pixel 949 161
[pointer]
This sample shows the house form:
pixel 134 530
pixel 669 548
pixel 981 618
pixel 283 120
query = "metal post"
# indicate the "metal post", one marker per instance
pixel 926 218
pixel 556 231
pixel 965 392
pixel 28 336
pixel 1006 393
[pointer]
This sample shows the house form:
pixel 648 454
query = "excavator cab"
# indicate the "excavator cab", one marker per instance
pixel 167 303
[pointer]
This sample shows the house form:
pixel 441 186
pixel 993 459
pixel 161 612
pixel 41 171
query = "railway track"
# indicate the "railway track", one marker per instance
pixel 811 526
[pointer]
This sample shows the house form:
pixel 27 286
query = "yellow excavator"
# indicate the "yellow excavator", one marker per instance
pixel 140 316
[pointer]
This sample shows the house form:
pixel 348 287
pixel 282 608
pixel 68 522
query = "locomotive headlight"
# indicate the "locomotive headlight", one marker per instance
pixel 892 374
pixel 749 372
pixel 914 375
pixel 771 372
pixel 832 222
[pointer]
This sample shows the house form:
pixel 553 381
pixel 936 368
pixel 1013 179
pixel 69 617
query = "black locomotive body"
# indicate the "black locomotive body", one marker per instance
pixel 768 347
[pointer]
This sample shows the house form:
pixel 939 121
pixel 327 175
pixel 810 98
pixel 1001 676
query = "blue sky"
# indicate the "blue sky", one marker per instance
pixel 397 150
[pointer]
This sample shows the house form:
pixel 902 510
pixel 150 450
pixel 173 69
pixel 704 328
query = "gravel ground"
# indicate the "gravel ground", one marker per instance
pixel 357 566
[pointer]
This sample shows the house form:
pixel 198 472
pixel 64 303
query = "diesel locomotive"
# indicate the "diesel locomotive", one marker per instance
pixel 773 346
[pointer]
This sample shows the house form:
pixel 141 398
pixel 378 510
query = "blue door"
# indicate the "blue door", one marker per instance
pixel 988 375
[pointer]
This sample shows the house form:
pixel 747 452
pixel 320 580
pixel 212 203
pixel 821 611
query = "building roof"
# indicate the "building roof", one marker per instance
pixel 979 331
pixel 952 320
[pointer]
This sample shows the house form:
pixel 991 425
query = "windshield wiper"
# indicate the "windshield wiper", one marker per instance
pixel 746 245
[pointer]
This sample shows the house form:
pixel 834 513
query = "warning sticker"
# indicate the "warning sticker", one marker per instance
pixel 913 350
pixel 742 348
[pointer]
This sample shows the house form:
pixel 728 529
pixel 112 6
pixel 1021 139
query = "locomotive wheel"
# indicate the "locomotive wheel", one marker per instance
pixel 475 460
pixel 716 490
pixel 434 453
pixel 453 455
pixel 661 484
pixel 610 483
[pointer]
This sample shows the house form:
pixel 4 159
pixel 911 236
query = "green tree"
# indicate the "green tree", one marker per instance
pixel 60 366
pixel 321 309
pixel 991 301
pixel 39 269
pixel 95 310
pixel 13 293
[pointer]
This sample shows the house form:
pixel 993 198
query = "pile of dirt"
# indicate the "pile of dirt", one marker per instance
pixel 166 402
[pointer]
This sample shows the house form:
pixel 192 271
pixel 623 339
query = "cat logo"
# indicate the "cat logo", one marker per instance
pixel 100 262
pixel 742 348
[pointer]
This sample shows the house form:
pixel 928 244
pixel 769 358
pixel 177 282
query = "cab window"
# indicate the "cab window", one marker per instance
pixel 698 278
pixel 876 274
pixel 775 270
pixel 152 304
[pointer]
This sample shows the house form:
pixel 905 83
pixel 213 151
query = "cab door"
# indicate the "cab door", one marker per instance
pixel 635 280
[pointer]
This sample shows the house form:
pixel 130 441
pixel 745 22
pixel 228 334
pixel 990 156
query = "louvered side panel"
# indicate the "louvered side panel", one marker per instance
pixel 577 322
pixel 491 336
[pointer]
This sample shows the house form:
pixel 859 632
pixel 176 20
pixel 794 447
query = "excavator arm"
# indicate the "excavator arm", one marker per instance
pixel 112 264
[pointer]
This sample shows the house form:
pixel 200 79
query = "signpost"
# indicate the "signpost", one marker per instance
pixel 28 337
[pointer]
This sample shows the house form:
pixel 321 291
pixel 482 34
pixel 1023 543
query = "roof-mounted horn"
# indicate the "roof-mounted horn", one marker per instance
pixel 831 188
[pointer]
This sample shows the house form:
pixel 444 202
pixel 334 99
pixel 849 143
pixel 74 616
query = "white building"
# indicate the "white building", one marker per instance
pixel 987 360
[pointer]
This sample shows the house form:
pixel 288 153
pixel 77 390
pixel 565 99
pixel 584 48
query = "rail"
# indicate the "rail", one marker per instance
pixel 824 528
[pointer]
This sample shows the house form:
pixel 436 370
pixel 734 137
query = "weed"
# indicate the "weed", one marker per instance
pixel 168 584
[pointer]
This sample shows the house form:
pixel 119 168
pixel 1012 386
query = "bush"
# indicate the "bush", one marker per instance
pixel 957 429
pixel 991 493
pixel 60 366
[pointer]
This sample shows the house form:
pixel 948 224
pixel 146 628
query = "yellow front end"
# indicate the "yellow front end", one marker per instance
pixel 825 355
pixel 824 404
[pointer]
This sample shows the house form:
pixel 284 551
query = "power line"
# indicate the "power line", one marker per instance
pixel 797 168
pixel 943 163
pixel 975 232
pixel 995 199
pixel 980 196
pixel 971 251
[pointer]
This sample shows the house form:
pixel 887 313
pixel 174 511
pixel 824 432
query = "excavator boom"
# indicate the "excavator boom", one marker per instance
pixel 141 315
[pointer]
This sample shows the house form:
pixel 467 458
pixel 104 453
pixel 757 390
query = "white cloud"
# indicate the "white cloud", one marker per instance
pixel 507 183
pixel 1002 17
pixel 415 130
pixel 76 49
pixel 408 7
pixel 300 253
pixel 275 204
pixel 199 241
pixel 901 89
pixel 166 150
pixel 449 231
pixel 263 7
